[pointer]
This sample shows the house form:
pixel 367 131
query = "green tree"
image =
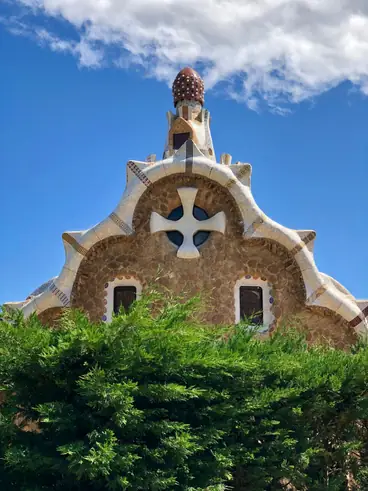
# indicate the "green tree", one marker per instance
pixel 161 402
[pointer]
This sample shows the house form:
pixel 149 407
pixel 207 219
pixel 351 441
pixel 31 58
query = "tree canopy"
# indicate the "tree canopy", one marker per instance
pixel 161 402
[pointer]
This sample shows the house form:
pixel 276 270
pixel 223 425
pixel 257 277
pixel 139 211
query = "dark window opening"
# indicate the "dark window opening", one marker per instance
pixel 200 237
pixel 251 304
pixel 199 213
pixel 124 296
pixel 177 238
pixel 180 139
pixel 176 214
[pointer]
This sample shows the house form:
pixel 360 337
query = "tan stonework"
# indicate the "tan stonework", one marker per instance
pixel 325 326
pixel 180 125
pixel 151 259
pixel 50 317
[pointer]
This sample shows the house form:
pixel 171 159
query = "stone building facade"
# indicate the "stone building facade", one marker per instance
pixel 191 225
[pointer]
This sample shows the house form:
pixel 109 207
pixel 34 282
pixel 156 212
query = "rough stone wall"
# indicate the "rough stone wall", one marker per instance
pixel 151 259
pixel 50 317
pixel 325 326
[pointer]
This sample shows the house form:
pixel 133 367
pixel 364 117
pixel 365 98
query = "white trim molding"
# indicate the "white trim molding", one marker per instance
pixel 267 299
pixel 109 295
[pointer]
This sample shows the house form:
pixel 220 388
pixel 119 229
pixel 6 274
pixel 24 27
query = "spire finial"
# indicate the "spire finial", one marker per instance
pixel 188 86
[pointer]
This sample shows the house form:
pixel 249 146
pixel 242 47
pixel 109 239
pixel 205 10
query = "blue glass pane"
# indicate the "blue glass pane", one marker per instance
pixel 175 237
pixel 176 214
pixel 200 237
pixel 199 213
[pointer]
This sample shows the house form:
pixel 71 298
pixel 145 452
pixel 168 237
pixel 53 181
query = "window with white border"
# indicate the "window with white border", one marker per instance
pixel 268 300
pixel 109 298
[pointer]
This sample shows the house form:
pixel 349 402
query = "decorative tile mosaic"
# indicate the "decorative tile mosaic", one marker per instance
pixel 244 169
pixel 230 183
pixel 59 294
pixel 141 175
pixel 189 157
pixel 120 223
pixel 311 236
pixel 74 243
pixel 253 227
pixel 317 293
pixel 359 318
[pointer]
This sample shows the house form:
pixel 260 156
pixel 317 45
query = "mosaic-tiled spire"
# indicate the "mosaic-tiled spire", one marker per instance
pixel 191 120
pixel 188 86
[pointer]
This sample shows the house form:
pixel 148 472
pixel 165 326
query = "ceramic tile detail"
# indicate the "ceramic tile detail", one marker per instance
pixel 253 227
pixel 311 236
pixel 316 294
pixel 358 319
pixel 59 294
pixel 120 223
pixel 74 243
pixel 141 175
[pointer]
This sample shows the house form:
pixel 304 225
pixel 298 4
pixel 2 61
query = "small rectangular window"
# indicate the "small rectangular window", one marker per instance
pixel 251 304
pixel 180 139
pixel 124 296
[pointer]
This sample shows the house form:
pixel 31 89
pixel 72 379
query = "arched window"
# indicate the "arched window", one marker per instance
pixel 251 303
pixel 253 300
pixel 124 296
pixel 120 293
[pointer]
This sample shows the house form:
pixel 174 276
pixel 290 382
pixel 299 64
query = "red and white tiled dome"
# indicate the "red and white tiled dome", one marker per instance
pixel 188 86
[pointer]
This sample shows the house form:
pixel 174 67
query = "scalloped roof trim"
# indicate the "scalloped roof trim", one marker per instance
pixel 321 290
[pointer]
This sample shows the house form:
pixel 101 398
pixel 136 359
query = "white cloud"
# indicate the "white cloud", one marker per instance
pixel 265 50
pixel 87 54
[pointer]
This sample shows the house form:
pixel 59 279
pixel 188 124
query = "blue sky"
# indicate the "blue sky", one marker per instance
pixel 68 128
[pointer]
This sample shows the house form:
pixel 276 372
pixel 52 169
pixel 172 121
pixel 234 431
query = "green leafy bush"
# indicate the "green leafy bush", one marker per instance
pixel 162 402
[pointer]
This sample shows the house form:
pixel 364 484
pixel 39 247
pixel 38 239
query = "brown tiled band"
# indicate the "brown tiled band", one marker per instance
pixel 359 318
pixel 308 238
pixel 230 183
pixel 141 175
pixel 244 169
pixel 189 157
pixel 59 294
pixel 74 243
pixel 317 293
pixel 121 224
pixel 253 227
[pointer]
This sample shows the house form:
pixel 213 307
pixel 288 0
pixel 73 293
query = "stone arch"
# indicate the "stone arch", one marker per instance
pixel 151 258
pixel 162 197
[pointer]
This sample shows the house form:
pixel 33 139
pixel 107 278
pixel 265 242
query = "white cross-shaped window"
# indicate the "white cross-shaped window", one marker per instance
pixel 188 225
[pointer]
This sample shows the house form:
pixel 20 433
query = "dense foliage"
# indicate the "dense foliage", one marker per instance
pixel 157 403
